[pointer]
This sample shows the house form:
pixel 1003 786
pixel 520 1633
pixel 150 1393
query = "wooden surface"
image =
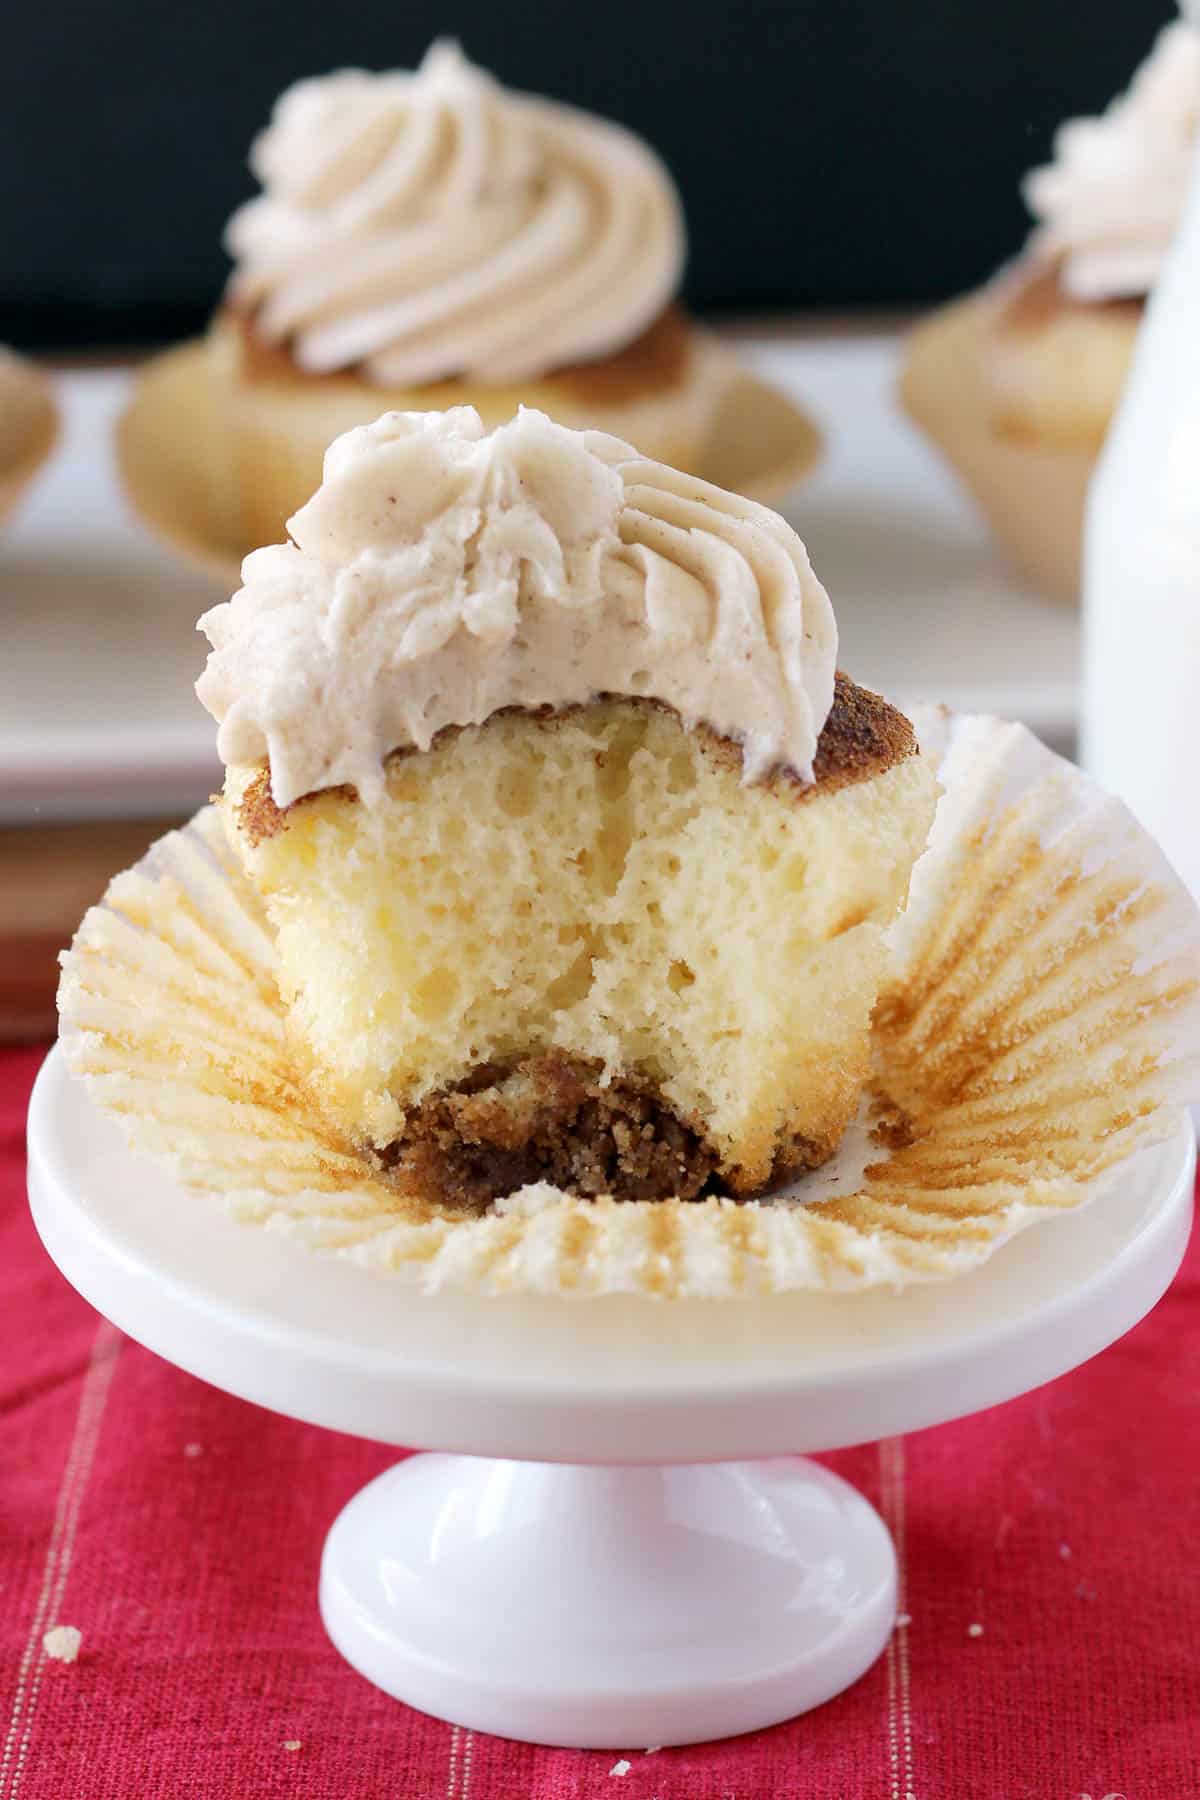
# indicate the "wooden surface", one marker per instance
pixel 49 876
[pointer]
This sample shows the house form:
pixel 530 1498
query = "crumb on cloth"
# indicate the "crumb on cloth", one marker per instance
pixel 621 1768
pixel 62 1642
pixel 291 1743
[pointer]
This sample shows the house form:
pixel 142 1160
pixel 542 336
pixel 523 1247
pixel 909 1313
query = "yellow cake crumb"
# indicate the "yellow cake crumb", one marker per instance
pixel 602 886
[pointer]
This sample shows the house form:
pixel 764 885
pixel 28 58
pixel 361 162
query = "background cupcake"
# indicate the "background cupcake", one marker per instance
pixel 28 426
pixel 430 238
pixel 1018 384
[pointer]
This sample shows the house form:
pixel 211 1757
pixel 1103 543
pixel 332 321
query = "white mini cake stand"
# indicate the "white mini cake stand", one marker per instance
pixel 595 1564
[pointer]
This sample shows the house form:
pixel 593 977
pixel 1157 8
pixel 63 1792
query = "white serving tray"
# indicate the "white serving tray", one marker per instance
pixel 98 650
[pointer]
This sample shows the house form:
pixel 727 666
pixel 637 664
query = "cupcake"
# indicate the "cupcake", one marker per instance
pixel 1018 384
pixel 576 851
pixel 428 238
pixel 28 426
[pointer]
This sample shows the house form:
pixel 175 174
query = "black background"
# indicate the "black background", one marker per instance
pixel 829 154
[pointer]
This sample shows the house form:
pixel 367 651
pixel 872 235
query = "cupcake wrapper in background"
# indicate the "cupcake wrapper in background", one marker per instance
pixel 177 452
pixel 1041 1023
pixel 1032 495
pixel 28 427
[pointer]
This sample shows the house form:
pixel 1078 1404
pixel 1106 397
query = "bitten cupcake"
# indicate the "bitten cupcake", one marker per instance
pixel 1017 385
pixel 577 853
pixel 568 925
pixel 430 238
pixel 28 425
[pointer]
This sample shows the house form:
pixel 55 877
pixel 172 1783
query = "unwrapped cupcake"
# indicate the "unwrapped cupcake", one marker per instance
pixel 1017 384
pixel 430 238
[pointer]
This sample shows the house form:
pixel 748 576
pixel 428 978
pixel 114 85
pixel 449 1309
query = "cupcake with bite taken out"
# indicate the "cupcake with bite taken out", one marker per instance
pixel 1017 385
pixel 577 851
pixel 429 238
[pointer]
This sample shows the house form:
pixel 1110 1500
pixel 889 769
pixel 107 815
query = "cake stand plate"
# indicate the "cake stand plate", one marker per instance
pixel 600 1556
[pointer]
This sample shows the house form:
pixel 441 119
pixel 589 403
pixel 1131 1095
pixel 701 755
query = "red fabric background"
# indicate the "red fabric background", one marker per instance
pixel 180 1530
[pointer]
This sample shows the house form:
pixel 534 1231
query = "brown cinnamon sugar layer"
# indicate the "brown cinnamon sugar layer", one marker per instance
pixel 862 737
pixel 656 360
pixel 549 1118
pixel 1035 300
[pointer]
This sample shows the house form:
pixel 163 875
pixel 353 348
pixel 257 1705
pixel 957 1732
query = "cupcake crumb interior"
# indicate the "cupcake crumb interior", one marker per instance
pixel 576 947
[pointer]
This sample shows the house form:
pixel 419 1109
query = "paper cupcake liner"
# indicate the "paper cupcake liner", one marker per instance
pixel 28 427
pixel 1040 1023
pixel 173 449
pixel 1031 495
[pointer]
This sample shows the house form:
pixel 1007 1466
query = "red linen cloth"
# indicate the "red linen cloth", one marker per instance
pixel 1049 1550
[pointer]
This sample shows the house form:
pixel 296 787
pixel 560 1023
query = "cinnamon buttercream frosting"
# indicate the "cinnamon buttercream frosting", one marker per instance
pixel 441 573
pixel 425 224
pixel 1108 205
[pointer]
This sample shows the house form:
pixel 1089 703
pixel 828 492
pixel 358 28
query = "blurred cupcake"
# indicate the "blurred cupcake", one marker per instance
pixel 577 855
pixel 28 426
pixel 426 239
pixel 1017 384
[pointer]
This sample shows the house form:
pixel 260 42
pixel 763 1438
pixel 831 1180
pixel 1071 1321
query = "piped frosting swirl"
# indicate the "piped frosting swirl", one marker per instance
pixel 1108 205
pixel 441 573
pixel 428 224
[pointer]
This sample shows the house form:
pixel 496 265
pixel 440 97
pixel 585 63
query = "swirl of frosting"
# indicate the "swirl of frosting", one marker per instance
pixel 431 224
pixel 440 573
pixel 1108 205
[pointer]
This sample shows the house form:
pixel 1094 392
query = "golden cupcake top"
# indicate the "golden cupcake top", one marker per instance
pixel 1108 205
pixel 424 224
pixel 442 573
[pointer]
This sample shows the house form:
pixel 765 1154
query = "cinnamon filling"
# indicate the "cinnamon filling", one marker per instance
pixel 548 1118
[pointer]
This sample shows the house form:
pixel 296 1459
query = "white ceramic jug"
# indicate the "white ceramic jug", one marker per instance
pixel 1140 733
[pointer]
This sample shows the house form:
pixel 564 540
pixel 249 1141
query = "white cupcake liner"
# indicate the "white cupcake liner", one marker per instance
pixel 1040 1023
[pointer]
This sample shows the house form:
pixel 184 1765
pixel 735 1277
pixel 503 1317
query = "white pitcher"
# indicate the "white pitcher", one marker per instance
pixel 1140 728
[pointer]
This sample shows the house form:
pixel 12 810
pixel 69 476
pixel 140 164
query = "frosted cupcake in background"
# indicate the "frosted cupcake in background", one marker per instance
pixel 429 238
pixel 28 426
pixel 1017 384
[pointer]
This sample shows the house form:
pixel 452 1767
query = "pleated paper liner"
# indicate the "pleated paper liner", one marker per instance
pixel 1032 496
pixel 28 428
pixel 1040 1024
pixel 172 444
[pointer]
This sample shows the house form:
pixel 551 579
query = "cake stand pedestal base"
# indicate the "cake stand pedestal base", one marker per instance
pixel 608 1608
